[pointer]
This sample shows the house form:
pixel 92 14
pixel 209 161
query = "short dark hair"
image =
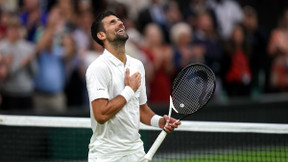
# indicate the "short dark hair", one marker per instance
pixel 97 26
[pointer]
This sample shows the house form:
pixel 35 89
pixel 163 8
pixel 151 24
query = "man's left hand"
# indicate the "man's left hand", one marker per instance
pixel 172 123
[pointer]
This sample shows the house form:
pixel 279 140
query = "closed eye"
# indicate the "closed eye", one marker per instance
pixel 114 21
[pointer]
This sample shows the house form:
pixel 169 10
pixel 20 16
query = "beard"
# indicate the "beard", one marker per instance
pixel 121 37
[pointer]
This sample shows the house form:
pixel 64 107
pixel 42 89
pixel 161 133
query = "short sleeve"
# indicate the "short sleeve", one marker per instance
pixel 143 95
pixel 97 81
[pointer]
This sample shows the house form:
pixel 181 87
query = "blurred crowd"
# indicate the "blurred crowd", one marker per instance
pixel 45 48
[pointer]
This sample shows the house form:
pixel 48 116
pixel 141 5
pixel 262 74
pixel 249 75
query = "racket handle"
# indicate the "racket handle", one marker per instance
pixel 155 145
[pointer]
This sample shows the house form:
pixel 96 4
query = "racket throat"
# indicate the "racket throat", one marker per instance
pixel 172 106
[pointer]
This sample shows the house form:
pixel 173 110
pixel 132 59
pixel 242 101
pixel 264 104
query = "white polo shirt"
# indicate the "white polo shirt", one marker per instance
pixel 119 135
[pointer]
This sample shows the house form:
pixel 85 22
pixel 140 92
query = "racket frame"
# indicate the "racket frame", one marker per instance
pixel 163 133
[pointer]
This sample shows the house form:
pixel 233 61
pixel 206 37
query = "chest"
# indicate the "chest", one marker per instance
pixel 117 78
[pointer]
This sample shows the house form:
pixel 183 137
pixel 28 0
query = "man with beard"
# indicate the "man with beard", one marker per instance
pixel 118 100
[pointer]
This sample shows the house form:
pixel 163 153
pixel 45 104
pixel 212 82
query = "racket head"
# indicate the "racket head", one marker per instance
pixel 192 88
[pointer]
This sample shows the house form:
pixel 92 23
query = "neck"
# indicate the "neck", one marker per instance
pixel 118 51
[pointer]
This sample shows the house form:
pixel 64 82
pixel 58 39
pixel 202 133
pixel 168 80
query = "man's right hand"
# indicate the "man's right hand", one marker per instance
pixel 133 81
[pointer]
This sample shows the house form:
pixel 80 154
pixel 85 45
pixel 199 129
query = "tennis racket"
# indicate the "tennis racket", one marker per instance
pixel 191 90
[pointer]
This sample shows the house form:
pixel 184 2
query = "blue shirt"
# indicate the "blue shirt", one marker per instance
pixel 51 73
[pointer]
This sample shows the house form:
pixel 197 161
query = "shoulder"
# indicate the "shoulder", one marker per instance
pixel 135 61
pixel 137 64
pixel 97 66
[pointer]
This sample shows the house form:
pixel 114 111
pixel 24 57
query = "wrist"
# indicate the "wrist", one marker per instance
pixel 155 121
pixel 127 93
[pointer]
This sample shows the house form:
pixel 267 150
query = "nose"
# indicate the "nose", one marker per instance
pixel 121 23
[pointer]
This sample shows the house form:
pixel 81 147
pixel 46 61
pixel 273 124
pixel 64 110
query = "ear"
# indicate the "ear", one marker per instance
pixel 101 35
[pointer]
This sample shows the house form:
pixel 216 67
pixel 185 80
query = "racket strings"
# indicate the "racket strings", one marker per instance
pixel 192 89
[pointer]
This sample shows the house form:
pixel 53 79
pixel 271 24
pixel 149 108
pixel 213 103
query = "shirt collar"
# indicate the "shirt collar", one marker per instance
pixel 114 59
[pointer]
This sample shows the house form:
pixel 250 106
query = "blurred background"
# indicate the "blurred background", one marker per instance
pixel 46 47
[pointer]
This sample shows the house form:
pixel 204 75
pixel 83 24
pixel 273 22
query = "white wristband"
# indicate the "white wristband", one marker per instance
pixel 127 93
pixel 155 121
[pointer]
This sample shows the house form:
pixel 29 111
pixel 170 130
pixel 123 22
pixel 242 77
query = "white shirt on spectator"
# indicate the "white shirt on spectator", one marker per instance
pixel 228 13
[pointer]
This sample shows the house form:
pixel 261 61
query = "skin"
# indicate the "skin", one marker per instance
pixel 114 38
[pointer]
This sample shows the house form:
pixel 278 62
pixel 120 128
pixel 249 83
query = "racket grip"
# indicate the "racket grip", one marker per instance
pixel 155 145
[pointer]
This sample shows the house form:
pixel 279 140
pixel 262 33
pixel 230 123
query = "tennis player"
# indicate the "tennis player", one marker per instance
pixel 117 94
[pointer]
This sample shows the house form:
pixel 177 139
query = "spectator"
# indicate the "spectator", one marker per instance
pixel 257 39
pixel 160 54
pixel 75 83
pixel 81 34
pixel 184 52
pixel 69 10
pixel 237 79
pixel 134 8
pixel 4 17
pixel 17 87
pixel 133 48
pixel 154 13
pixel 193 8
pixel 134 43
pixel 84 5
pixel 120 9
pixel 173 14
pixel 227 13
pixel 32 17
pixel 205 35
pixel 52 56
pixel 278 51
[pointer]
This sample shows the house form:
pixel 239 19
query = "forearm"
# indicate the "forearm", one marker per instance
pixel 146 114
pixel 104 109
pixel 69 46
pixel 44 40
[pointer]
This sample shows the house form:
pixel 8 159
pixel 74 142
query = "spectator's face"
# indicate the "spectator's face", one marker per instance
pixel 250 22
pixel 185 37
pixel 238 35
pixel 86 21
pixel 31 4
pixel 13 33
pixel 205 23
pixel 153 35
